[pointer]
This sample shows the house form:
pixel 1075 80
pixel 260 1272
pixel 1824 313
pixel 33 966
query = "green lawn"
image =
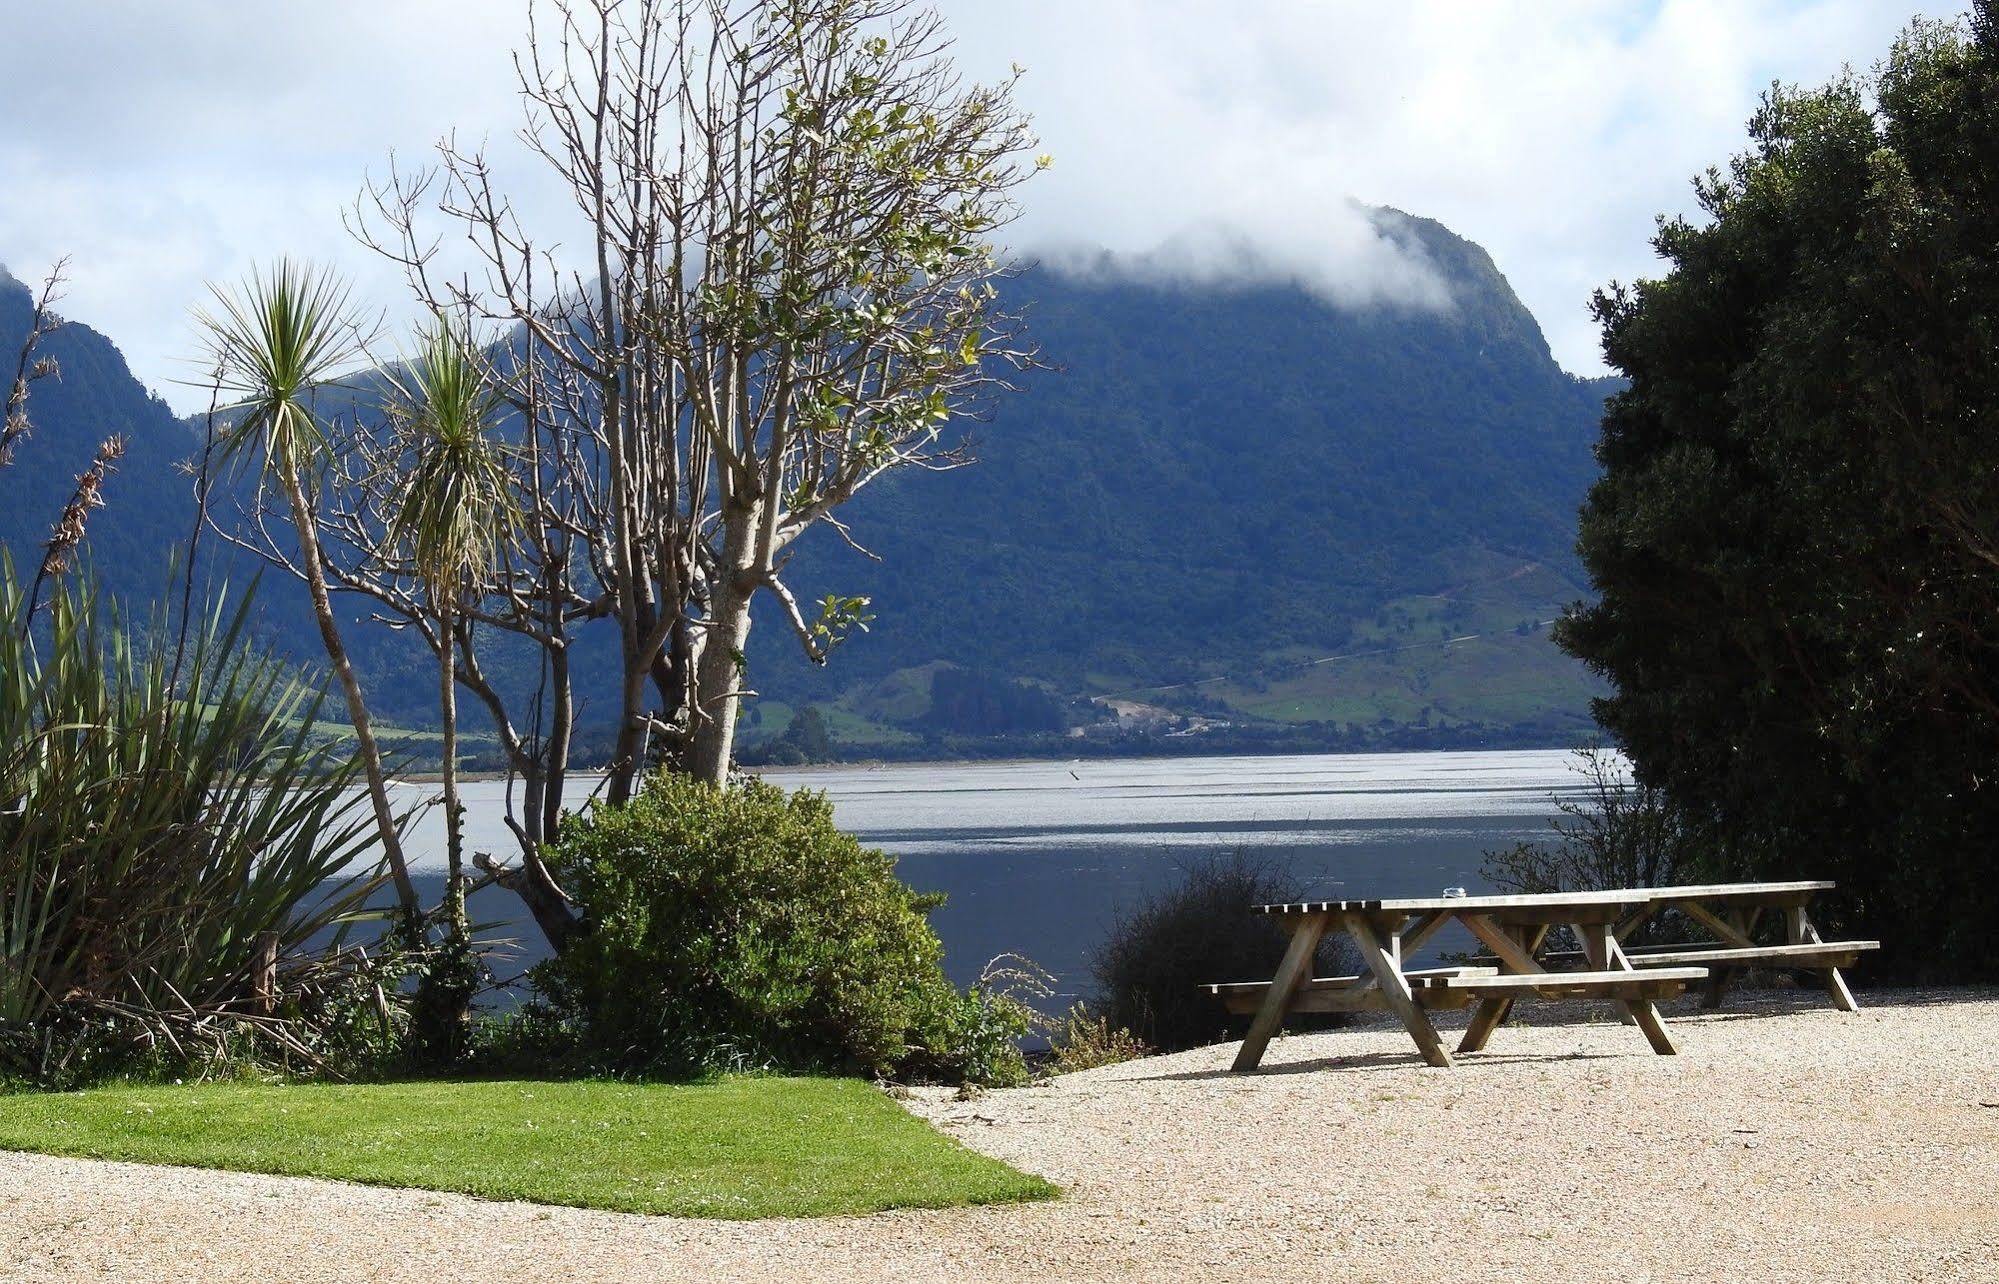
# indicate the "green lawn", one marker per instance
pixel 738 1147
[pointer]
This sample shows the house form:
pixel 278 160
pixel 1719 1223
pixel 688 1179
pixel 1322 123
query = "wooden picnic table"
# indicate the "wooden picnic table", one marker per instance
pixel 1514 928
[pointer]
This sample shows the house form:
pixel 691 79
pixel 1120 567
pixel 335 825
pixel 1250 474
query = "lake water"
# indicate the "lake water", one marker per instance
pixel 1039 858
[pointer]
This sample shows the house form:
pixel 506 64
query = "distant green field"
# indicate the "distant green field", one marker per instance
pixel 740 1147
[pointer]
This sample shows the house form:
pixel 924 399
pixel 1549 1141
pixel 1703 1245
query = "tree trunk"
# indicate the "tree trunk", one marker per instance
pixel 720 678
pixel 454 810
pixel 444 996
pixel 627 753
pixel 350 686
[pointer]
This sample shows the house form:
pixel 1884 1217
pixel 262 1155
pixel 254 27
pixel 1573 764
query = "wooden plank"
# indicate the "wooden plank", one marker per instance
pixel 1769 895
pixel 1632 988
pixel 1725 931
pixel 1605 978
pixel 1315 1001
pixel 1354 1000
pixel 1452 904
pixel 1226 988
pixel 1614 896
pixel 1395 990
pixel 1807 956
pixel 1295 967
pixel 1608 912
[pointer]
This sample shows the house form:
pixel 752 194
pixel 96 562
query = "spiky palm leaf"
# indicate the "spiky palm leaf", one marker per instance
pixel 273 341
pixel 454 505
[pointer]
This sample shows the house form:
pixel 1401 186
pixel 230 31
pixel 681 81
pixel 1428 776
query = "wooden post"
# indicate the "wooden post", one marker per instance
pixel 264 975
pixel 1296 967
pixel 1718 979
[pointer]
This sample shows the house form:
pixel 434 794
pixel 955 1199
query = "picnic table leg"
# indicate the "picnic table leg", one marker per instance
pixel 1490 1013
pixel 1718 979
pixel 1798 930
pixel 1395 989
pixel 1596 954
pixel 1515 949
pixel 1297 965
pixel 1605 954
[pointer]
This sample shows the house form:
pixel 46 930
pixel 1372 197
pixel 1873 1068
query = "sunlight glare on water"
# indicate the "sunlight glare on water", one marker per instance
pixel 1040 857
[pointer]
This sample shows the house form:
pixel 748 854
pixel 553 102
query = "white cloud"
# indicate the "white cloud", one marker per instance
pixel 165 145
pixel 1349 257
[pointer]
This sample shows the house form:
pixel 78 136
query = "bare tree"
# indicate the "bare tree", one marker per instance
pixel 787 289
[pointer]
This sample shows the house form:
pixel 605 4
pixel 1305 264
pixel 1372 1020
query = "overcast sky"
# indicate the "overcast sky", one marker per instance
pixel 164 145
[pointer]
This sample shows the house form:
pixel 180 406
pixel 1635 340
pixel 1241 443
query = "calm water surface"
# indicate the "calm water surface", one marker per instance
pixel 1040 857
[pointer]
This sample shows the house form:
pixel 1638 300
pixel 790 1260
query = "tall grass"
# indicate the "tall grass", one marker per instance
pixel 175 864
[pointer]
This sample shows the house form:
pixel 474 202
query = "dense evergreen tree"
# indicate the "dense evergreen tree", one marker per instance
pixel 805 739
pixel 983 703
pixel 1796 536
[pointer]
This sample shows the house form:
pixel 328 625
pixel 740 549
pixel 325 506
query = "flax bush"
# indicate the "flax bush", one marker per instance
pixel 178 853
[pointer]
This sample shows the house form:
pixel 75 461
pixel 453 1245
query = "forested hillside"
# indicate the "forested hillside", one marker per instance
pixel 1231 483
pixel 93 396
pixel 1222 516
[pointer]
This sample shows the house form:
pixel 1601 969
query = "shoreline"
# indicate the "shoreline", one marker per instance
pixel 487 776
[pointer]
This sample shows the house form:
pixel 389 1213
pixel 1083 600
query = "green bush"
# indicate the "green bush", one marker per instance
pixel 738 928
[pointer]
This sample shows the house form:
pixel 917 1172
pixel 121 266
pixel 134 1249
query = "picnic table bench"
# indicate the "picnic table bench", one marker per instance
pixel 1515 929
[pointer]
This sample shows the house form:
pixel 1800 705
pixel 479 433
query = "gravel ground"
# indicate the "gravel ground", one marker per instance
pixel 1786 1142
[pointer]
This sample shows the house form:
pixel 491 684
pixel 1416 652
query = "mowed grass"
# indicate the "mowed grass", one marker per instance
pixel 737 1148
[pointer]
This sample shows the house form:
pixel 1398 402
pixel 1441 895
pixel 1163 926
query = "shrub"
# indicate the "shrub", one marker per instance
pixel 1084 1040
pixel 1149 971
pixel 1620 834
pixel 176 853
pixel 737 927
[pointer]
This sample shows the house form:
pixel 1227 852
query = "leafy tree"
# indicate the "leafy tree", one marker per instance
pixel 1794 536
pixel 805 739
pixel 984 703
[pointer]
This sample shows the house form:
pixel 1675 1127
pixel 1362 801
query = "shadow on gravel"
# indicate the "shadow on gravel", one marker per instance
pixel 1376 1061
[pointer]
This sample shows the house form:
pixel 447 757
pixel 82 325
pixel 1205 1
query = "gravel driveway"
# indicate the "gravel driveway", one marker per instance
pixel 1786 1142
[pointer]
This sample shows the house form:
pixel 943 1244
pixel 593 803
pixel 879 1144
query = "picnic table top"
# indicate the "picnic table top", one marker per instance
pixel 1529 900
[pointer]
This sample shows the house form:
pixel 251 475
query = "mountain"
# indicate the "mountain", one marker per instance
pixel 1227 515
pixel 148 502
pixel 1224 485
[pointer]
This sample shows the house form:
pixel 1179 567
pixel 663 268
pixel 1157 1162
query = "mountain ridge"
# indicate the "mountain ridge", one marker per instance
pixel 1264 504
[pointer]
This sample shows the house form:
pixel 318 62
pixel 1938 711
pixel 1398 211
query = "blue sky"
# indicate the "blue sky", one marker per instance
pixel 164 145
